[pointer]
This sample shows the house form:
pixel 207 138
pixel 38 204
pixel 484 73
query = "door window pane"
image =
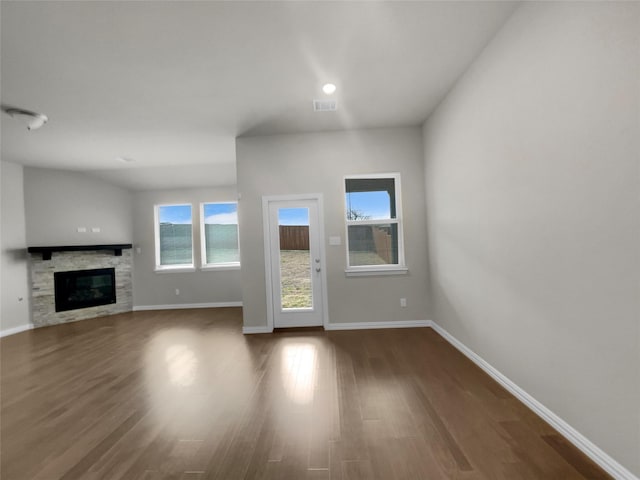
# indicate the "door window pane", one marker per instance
pixel 295 258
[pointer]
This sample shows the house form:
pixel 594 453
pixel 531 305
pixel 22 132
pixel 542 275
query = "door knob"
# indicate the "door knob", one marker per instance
pixel 317 269
pixel 317 260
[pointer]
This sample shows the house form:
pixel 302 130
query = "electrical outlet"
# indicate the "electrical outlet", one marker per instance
pixel 403 302
pixel 82 229
pixel 95 229
pixel 177 291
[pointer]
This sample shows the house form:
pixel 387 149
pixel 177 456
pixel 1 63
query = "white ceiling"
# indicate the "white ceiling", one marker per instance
pixel 172 84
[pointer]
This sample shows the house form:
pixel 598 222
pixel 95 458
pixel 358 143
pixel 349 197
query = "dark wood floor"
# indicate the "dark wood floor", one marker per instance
pixel 184 395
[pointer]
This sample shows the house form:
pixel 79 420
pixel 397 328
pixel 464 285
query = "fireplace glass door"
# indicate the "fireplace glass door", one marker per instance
pixel 84 288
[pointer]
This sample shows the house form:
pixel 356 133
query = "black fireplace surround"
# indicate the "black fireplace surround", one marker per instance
pixel 84 288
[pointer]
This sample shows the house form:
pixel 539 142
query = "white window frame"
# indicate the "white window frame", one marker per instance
pixel 181 267
pixel 365 270
pixel 203 242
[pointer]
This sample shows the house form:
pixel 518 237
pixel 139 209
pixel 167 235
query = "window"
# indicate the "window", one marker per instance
pixel 374 225
pixel 219 235
pixel 174 237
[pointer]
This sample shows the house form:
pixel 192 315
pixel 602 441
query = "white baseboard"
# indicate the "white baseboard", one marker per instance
pixel 353 326
pixel 375 325
pixel 181 306
pixel 14 330
pixel 611 466
pixel 252 330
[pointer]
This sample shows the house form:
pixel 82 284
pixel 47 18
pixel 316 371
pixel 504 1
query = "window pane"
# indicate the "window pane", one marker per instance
pixel 221 233
pixel 175 234
pixel 373 244
pixel 370 198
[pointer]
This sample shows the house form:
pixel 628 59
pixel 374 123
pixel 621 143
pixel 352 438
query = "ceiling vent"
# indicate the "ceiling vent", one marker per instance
pixel 325 105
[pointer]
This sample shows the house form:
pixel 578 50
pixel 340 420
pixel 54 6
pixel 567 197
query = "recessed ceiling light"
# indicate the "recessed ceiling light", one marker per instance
pixel 328 88
pixel 125 159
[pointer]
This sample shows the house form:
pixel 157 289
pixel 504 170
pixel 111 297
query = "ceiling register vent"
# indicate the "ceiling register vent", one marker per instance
pixel 325 105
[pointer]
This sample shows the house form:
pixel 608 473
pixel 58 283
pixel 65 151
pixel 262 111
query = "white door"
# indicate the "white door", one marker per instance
pixel 295 265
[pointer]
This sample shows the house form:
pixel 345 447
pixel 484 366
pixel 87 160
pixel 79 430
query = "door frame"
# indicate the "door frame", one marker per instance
pixel 266 200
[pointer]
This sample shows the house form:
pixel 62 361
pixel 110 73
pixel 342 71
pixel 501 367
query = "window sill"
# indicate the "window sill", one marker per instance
pixel 217 268
pixel 368 272
pixel 177 269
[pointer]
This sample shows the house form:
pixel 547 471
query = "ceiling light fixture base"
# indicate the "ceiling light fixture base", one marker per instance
pixel 34 120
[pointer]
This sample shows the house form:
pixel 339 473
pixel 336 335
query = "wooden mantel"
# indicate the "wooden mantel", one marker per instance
pixel 47 251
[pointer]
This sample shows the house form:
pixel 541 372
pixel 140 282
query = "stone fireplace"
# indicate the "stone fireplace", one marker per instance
pixel 86 269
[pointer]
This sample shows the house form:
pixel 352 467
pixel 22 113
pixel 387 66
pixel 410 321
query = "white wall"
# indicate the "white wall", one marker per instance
pixel 317 163
pixel 58 202
pixel 532 179
pixel 151 288
pixel 14 311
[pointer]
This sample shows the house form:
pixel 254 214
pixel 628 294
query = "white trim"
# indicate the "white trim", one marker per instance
pixel 176 269
pixel 181 306
pixel 252 330
pixel 611 466
pixel 323 261
pixel 376 325
pixel 266 240
pixel 14 330
pixel 378 221
pixel 220 267
pixel 367 272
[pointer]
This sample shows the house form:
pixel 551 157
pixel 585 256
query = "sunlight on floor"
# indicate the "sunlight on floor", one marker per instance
pixel 182 365
pixel 299 371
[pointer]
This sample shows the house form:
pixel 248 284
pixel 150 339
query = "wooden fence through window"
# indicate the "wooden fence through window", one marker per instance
pixel 294 237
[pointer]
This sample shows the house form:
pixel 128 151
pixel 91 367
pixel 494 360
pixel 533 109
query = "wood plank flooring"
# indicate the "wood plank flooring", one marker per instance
pixel 183 395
